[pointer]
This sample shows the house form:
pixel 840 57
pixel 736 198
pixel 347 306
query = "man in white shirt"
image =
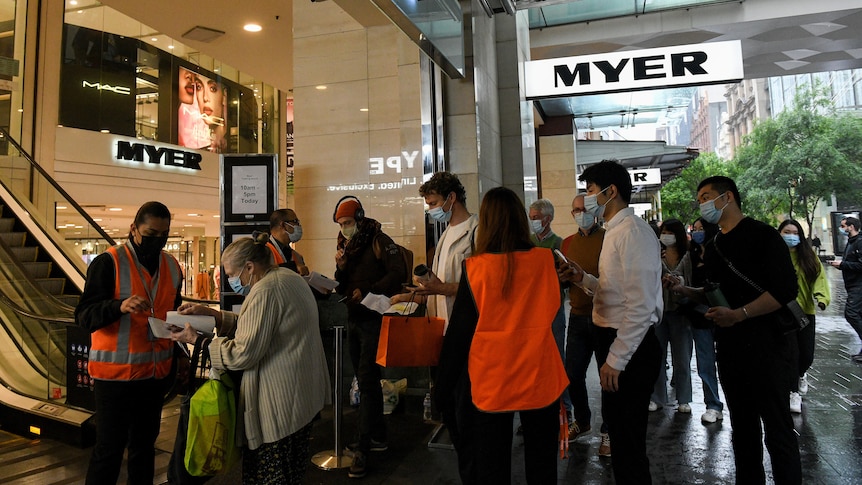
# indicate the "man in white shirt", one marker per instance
pixel 446 199
pixel 627 302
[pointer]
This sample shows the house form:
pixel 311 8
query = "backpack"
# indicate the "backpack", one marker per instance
pixel 406 256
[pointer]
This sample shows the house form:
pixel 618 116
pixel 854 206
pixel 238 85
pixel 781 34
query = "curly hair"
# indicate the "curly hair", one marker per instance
pixel 443 183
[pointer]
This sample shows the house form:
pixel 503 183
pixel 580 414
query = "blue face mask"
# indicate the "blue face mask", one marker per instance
pixel 709 212
pixel 440 215
pixel 584 220
pixel 296 235
pixel 842 231
pixel 792 240
pixel 591 204
pixel 698 237
pixel 236 284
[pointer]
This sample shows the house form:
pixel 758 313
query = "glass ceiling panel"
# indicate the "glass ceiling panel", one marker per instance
pixel 662 107
pixel 587 10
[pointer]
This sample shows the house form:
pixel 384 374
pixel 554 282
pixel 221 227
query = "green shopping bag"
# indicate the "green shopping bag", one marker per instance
pixel 211 446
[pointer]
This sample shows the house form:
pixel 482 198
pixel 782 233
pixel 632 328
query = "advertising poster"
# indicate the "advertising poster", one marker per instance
pixel 202 114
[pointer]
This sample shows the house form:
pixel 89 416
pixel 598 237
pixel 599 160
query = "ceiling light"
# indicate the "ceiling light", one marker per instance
pixel 170 47
pixel 104 131
pixel 115 209
pixel 320 88
pixel 187 225
pixel 251 27
pixel 155 39
pixel 97 220
pixel 364 110
pixel 73 2
pixel 21 110
pixel 216 216
pixel 61 207
pixel 193 215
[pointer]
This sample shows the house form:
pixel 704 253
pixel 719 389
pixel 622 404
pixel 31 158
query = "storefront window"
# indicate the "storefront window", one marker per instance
pixel 122 77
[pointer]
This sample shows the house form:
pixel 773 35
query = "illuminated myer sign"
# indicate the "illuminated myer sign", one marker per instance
pixel 681 65
pixel 167 156
pixel 107 87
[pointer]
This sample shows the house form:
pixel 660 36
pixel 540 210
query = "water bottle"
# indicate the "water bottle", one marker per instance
pixel 422 273
pixel 714 296
pixel 426 404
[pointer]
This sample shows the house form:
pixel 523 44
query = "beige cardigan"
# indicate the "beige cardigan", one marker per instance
pixel 278 347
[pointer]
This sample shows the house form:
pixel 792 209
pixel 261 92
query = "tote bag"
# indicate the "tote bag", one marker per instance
pixel 410 341
pixel 211 446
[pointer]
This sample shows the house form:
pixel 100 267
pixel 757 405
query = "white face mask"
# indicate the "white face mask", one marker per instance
pixel 667 239
pixel 536 225
pixel 348 232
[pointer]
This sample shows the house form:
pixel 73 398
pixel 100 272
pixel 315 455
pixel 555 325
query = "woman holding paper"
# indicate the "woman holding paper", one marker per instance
pixel 276 343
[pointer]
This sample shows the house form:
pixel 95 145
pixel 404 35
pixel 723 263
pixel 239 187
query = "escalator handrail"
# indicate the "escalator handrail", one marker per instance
pixel 5 134
pixel 20 311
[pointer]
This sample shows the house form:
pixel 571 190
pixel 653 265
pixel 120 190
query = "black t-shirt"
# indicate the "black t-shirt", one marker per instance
pixel 757 251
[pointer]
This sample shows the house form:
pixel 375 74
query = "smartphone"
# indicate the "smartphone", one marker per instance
pixel 561 256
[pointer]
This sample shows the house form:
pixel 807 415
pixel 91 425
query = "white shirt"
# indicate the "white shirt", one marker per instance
pixel 443 247
pixel 628 293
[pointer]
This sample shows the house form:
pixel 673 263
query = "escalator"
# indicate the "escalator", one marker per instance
pixel 43 388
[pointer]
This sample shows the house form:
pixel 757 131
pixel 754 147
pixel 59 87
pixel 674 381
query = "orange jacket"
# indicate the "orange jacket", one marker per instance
pixel 514 363
pixel 126 350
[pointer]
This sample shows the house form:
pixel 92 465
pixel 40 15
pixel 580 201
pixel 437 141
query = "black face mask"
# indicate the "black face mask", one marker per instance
pixel 152 245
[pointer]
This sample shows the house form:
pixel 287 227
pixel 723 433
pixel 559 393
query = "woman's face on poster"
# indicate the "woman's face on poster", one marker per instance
pixel 210 97
pixel 187 86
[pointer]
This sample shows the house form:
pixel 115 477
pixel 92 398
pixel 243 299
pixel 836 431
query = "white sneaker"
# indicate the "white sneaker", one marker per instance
pixel 684 408
pixel 653 406
pixel 795 403
pixel 711 416
pixel 803 384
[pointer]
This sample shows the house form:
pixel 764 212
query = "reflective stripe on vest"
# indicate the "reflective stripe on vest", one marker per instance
pixel 276 253
pixel 514 362
pixel 126 349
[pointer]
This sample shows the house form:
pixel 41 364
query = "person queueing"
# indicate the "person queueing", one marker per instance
pixel 275 341
pixel 851 271
pixel 584 248
pixel 813 287
pixel 367 261
pixel 541 216
pixel 125 286
pixel 675 327
pixel 752 352
pixel 627 304
pixel 703 330
pixel 499 354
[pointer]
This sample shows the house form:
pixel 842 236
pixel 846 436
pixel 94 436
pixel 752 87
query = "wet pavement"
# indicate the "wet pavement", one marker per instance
pixel 681 449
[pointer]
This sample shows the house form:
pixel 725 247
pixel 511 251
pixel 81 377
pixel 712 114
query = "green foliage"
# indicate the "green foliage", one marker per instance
pixel 802 156
pixel 678 196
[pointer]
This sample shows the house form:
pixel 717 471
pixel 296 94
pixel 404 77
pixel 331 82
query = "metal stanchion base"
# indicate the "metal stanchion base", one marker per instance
pixel 327 460
pixel 434 441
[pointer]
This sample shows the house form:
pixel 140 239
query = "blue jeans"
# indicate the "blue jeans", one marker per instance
pixel 676 329
pixel 558 327
pixel 704 348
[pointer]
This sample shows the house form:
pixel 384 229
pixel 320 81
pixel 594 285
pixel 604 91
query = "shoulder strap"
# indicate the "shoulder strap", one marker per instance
pixel 733 268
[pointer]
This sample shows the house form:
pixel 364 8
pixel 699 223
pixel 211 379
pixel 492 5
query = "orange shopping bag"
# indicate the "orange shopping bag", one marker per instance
pixel 409 341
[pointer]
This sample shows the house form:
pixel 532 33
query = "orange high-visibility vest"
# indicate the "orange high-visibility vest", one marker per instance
pixel 514 363
pixel 276 253
pixel 126 350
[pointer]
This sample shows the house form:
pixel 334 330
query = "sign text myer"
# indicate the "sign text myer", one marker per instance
pixel 107 87
pixel 168 156
pixel 640 176
pixel 709 63
pixel 376 164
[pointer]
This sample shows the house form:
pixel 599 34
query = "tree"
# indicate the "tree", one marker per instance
pixel 802 156
pixel 678 196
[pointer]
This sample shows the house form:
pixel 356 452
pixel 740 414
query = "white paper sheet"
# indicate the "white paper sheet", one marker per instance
pixel 204 324
pixel 320 282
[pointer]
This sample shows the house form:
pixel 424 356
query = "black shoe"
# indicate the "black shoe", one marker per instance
pixel 857 358
pixel 357 469
pixel 375 446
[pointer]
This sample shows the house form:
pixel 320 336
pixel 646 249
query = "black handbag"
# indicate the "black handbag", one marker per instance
pixel 790 317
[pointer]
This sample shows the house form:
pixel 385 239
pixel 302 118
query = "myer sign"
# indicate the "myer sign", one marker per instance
pixel 640 176
pixel 151 154
pixel 681 65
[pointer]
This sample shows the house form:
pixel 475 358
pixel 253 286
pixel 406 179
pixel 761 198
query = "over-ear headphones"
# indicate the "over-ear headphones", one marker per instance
pixel 360 212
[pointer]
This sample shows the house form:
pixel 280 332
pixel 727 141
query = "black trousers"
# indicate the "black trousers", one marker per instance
pixel 177 473
pixel 580 346
pixel 753 364
pixel 362 338
pixel 484 442
pixel 801 349
pixel 626 410
pixel 128 414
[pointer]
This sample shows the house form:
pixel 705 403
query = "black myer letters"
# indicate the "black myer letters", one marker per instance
pixel 646 67
pixel 167 156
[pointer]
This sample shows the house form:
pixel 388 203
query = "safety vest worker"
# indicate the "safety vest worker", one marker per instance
pixel 514 363
pixel 127 350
